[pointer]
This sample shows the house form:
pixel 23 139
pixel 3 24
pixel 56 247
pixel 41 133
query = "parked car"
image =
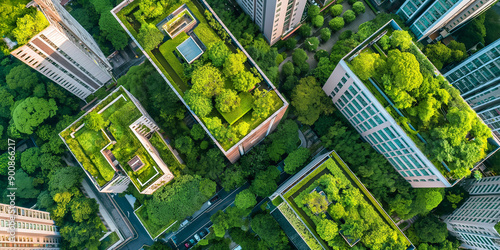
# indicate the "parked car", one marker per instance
pixel 187 245
pixel 192 241
pixel 184 223
pixel 214 199
pixel 202 233
pixel 197 237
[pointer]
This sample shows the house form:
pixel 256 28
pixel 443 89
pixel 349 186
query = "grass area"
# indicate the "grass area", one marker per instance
pixel 152 229
pixel 166 155
pixel 246 105
pixel 206 34
pixel 109 241
pixel 168 48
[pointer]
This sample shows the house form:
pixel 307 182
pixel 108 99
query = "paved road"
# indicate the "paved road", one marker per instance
pixel 203 220
pixel 142 237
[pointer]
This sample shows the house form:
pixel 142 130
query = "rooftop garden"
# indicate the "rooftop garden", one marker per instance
pixel 421 100
pixel 19 23
pixel 222 89
pixel 330 207
pixel 107 128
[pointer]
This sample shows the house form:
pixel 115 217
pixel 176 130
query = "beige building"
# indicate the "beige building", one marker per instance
pixel 33 229
pixel 275 18
pixel 65 53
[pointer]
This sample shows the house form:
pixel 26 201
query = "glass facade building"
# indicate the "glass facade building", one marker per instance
pixel 379 128
pixel 437 19
pixel 478 79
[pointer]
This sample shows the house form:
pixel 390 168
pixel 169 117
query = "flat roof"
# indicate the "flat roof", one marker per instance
pixel 190 50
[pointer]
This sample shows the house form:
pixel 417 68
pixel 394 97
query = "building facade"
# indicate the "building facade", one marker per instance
pixel 474 222
pixel 434 20
pixel 376 126
pixel 274 17
pixel 478 79
pixel 66 53
pixel 33 229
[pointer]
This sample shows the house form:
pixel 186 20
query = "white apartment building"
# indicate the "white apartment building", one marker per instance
pixel 473 223
pixel 478 79
pixel 376 126
pixel 34 229
pixel 274 17
pixel 435 20
pixel 65 53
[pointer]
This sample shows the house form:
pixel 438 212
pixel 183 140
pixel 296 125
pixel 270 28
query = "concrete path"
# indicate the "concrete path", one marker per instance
pixel 365 17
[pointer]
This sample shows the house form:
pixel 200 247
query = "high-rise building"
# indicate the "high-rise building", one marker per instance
pixel 435 20
pixel 478 79
pixel 33 229
pixel 274 17
pixel 375 116
pixel 474 222
pixel 65 52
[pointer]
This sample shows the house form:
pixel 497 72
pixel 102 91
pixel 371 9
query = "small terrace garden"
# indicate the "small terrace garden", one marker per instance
pixel 222 89
pixel 338 211
pixel 107 128
pixel 420 99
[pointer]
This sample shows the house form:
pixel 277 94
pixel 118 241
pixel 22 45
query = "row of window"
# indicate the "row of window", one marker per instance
pixel 358 108
pixel 410 7
pixel 436 11
pixel 23 239
pixel 4 209
pixel 485 189
pixel 478 241
pixel 26 225
pixel 70 59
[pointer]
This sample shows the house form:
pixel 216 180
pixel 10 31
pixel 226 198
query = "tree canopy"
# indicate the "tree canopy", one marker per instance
pixel 308 98
pixel 149 36
pixel 31 112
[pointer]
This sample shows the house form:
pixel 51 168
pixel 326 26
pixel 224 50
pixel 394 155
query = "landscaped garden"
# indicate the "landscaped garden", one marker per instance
pixel 434 115
pixel 105 128
pixel 221 76
pixel 332 208
pixel 111 239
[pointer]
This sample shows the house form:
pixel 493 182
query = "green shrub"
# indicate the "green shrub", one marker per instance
pixel 336 23
pixel 336 9
pixel 349 16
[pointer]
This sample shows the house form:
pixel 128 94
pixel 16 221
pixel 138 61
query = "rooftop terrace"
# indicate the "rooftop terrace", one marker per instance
pixel 420 99
pixel 345 203
pixel 115 136
pixel 172 56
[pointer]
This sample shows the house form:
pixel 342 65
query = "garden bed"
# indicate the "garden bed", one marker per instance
pixel 110 240
pixel 153 230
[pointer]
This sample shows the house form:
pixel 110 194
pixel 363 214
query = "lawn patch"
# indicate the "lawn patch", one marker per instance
pixel 246 105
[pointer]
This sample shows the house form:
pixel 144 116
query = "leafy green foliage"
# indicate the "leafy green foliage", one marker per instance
pixel 401 39
pixel 30 160
pixel 305 30
pixel 28 26
pixel 441 55
pixel 149 36
pixel 234 64
pixel 317 21
pixel 94 121
pixel 309 100
pixel 197 132
pixel 313 11
pixel 175 201
pixel 227 100
pixel 184 144
pixel 31 112
pixel 24 185
pixel 245 199
pixel 325 34
pixel 327 229
pixel 283 140
pixel 336 23
pixel 264 183
pixel 336 9
pixel 365 65
pixel 311 43
pixel 245 81
pixel 358 7
pixel 263 103
pixel 299 56
pixel 207 80
pixel 431 230
pixel 217 53
pixel 349 16
pixel 268 230
pixel 296 160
